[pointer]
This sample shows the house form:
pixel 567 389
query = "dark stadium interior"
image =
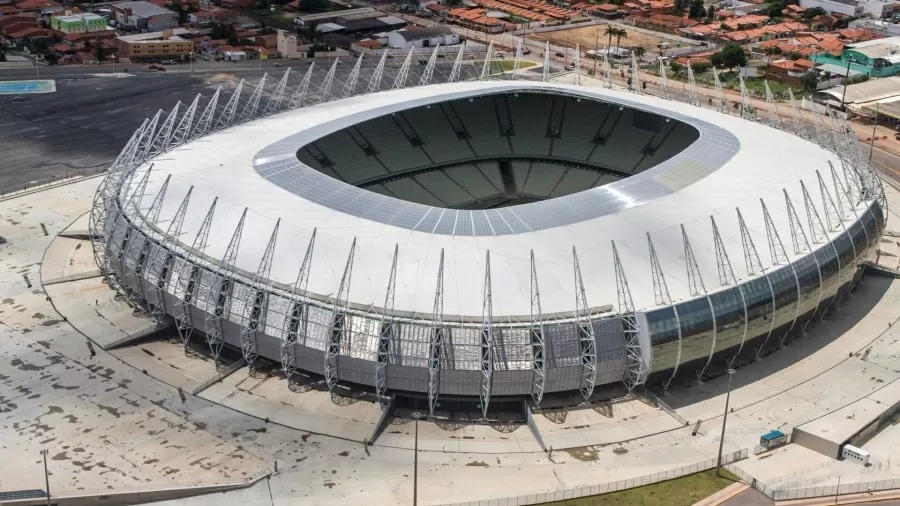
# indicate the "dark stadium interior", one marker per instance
pixel 497 150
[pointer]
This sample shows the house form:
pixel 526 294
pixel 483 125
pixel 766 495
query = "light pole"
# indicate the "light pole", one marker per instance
pixel 113 58
pixel 874 126
pixel 46 476
pixel 191 56
pixel 724 419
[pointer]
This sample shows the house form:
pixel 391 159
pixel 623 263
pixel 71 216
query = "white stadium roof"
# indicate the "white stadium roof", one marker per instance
pixel 712 177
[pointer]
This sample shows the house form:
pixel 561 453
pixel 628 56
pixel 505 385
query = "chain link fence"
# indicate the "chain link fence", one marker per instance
pixel 605 488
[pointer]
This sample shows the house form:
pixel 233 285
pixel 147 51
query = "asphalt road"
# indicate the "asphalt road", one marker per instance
pixel 83 126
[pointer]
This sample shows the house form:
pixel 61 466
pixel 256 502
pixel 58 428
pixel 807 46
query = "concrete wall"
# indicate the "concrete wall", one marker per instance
pixel 815 443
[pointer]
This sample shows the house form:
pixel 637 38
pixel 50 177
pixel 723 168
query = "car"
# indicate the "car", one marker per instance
pixel 276 64
pixel 526 51
pixel 168 62
pixel 560 54
pixel 423 62
pixel 499 54
pixel 570 67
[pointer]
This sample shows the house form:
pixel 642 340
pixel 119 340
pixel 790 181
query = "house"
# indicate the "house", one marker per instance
pixel 607 11
pixel 142 15
pixel 211 16
pixel 238 4
pixel 268 41
pixel 45 7
pixel 31 33
pixel 423 37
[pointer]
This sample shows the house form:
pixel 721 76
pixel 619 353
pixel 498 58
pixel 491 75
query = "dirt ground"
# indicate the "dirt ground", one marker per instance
pixel 586 36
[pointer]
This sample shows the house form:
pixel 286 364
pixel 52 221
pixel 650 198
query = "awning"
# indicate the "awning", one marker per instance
pixel 837 70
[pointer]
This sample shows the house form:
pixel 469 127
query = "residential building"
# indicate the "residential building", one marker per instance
pixel 211 16
pixel 790 72
pixel 45 7
pixel 78 23
pixel 144 16
pixel 164 45
pixel 291 46
pixel 423 37
pixel 853 8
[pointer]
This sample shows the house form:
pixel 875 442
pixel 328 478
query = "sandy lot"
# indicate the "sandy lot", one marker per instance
pixel 587 37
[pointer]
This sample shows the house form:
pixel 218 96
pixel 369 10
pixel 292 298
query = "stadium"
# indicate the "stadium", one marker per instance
pixel 477 247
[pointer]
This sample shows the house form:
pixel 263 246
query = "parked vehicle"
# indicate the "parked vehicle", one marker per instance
pixel 560 54
pixel 168 62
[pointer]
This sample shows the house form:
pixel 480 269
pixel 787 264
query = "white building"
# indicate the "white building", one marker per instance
pixel 423 37
pixel 853 8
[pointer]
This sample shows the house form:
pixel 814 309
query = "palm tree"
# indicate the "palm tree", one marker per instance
pixel 610 32
pixel 620 34
pixel 639 52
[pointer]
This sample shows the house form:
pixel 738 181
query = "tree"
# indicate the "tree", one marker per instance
pixel 775 9
pixel 2 54
pixel 678 7
pixel 675 66
pixel 99 53
pixel 314 5
pixel 813 12
pixel 697 10
pixel 730 56
pixel 810 81
pixel 711 12
pixel 620 34
pixel 610 32
pixel 639 52
pixel 233 40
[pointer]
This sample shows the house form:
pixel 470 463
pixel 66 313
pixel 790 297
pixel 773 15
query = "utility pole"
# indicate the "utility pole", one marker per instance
pixel 846 83
pixel 724 419
pixel 596 47
pixel 874 126
pixel 46 476
pixel 416 467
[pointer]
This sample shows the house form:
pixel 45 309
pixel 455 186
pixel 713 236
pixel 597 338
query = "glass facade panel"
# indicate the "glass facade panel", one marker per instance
pixel 697 329
pixel 758 294
pixel 845 253
pixel 729 307
pixel 828 263
pixel 663 331
pixel 785 287
pixel 808 276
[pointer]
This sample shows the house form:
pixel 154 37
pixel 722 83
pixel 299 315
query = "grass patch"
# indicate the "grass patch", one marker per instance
pixel 682 491
pixel 498 66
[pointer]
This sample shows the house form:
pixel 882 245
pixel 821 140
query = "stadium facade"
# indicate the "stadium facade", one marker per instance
pixel 487 242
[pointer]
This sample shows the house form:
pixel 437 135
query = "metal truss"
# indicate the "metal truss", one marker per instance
pixel 662 297
pixel 634 363
pixel 751 256
pixel 727 277
pixel 485 68
pixel 843 196
pixel 403 73
pixel 132 202
pixel 721 103
pixel 693 95
pixel 664 90
pixel 487 339
pixel 754 266
pixel 816 229
pixel 205 123
pixel 801 245
pixel 798 236
pixel 134 288
pixel 796 116
pixel 607 71
pixel 776 247
pixel 386 336
pixel 375 81
pixel 457 65
pixel 219 296
pixel 160 142
pixel 428 73
pixel 834 217
pixel 350 86
pixel 545 72
pixel 774 117
pixel 746 105
pixel 256 313
pixel 339 329
pixel 325 87
pixel 250 110
pixel 436 343
pixel 190 271
pixel 295 320
pixel 145 147
pixel 276 99
pixel 182 132
pixel 517 59
pixel 162 259
pixel 226 118
pixel 299 95
pixel 536 331
pixel 635 75
pixel 697 288
pixel 585 334
pixel 577 62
